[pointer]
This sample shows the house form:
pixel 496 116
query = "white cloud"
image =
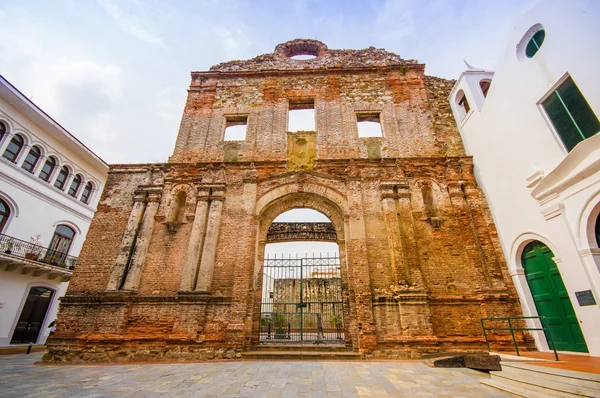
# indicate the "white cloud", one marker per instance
pixel 132 24
pixel 234 41
pixel 80 91
pixel 395 20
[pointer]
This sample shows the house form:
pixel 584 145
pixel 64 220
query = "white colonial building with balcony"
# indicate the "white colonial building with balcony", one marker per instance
pixel 532 128
pixel 50 184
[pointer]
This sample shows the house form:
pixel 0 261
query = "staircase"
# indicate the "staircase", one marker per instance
pixel 528 380
pixel 301 352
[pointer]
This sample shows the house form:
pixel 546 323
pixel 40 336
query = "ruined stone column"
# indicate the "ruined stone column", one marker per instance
pixel 190 269
pixel 390 215
pixel 484 239
pixel 356 247
pixel 131 230
pixel 144 236
pixel 471 243
pixel 209 252
pixel 407 228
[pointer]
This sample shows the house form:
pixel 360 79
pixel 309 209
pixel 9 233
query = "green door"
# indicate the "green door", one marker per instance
pixel 551 297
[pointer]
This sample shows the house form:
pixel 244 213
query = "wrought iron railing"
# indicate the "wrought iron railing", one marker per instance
pixel 30 251
pixel 511 327
pixel 302 301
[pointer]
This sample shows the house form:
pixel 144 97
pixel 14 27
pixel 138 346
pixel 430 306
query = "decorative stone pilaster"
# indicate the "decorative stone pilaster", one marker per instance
pixel 209 251
pixel 390 214
pixel 415 314
pixel 407 229
pixel 472 244
pixel 366 338
pixel 490 257
pixel 190 269
pixel 131 230
pixel 144 236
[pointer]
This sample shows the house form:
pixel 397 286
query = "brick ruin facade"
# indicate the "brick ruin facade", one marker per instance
pixel 171 268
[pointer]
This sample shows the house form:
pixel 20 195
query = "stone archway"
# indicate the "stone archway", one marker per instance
pixel 266 213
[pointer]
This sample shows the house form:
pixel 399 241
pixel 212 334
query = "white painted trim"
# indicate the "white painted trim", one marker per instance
pixel 48 199
pixel 517 272
pixel 587 221
pixel 68 223
pixel 14 207
pixel 45 322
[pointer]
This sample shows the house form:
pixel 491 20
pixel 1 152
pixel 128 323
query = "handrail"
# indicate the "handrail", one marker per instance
pixel 30 251
pixel 512 329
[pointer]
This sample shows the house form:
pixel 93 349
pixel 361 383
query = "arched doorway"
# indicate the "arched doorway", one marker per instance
pixel 551 298
pixel 32 315
pixel 301 295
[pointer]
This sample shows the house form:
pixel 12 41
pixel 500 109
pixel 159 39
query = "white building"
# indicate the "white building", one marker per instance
pixel 49 187
pixel 532 128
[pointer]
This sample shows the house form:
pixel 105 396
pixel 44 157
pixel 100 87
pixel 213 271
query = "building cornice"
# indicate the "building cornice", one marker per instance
pixel 28 108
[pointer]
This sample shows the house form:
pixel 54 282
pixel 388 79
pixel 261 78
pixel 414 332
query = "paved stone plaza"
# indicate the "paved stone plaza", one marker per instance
pixel 19 377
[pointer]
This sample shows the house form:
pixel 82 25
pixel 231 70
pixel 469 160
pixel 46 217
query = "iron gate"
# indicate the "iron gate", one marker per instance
pixel 301 301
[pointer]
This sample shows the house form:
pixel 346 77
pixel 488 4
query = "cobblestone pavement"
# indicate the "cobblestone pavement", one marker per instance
pixel 19 377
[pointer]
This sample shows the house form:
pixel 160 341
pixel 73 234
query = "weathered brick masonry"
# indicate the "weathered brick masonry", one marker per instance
pixel 171 268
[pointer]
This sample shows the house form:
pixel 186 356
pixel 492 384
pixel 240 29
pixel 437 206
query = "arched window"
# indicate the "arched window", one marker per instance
pixel 62 178
pixel 32 158
pixel 179 208
pixel 485 86
pixel 75 185
pixel 4 214
pixel 463 104
pixel 14 148
pixel 61 243
pixel 87 191
pixel 2 130
pixel 48 169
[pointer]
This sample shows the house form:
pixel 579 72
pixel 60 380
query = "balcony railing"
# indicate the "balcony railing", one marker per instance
pixel 29 251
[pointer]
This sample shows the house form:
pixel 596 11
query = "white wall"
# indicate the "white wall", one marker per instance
pixel 37 207
pixel 514 145
pixel 14 288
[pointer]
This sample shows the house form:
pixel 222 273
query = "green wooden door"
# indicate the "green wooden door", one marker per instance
pixel 551 297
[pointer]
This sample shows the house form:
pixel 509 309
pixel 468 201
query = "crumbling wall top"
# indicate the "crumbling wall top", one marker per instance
pixel 324 58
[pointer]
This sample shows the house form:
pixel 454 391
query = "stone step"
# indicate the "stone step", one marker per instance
pixel 531 380
pixel 569 377
pixel 542 387
pixel 302 355
pixel 512 389
pixel 589 380
pixel 301 347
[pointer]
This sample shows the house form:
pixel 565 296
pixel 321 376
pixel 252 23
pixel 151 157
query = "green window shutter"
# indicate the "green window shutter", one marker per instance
pixel 570 114
pixel 562 122
pixel 582 113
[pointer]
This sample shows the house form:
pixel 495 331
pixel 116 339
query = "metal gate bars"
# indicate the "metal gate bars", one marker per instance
pixel 301 301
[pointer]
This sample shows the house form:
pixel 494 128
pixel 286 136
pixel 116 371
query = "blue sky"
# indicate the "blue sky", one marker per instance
pixel 115 72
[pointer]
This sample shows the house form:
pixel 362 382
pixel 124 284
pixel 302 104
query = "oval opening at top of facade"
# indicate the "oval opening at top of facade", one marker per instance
pixel 531 42
pixel 303 57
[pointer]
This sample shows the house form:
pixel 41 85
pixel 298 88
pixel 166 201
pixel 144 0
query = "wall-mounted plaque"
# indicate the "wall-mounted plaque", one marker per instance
pixel 585 297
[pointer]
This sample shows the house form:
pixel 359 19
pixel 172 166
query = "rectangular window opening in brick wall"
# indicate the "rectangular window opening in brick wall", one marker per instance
pixel 369 125
pixel 301 115
pixel 235 127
